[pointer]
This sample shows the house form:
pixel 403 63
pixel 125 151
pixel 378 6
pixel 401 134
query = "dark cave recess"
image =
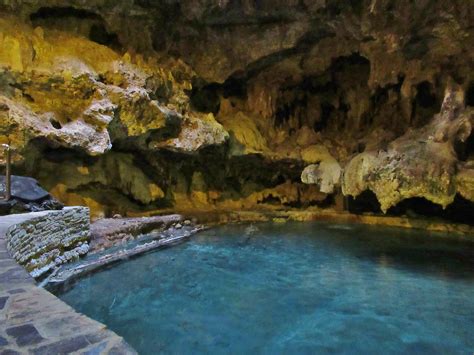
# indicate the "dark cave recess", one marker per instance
pixel 460 211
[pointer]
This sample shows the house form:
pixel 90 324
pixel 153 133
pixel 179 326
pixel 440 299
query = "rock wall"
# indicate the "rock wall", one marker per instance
pixel 135 106
pixel 42 240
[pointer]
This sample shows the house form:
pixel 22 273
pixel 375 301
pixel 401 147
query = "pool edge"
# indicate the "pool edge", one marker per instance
pixel 34 320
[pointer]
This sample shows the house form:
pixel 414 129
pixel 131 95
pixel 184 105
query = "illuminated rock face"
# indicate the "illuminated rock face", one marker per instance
pixel 420 163
pixel 129 106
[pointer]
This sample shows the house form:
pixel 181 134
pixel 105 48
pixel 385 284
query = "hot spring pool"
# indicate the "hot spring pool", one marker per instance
pixel 295 288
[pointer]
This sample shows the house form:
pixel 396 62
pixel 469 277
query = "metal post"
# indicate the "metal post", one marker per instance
pixel 8 172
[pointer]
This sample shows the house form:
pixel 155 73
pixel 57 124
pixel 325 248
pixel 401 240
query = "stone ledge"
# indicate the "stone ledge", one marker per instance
pixel 32 320
pixel 40 241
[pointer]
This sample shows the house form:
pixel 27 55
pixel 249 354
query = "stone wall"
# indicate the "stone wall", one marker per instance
pixel 41 241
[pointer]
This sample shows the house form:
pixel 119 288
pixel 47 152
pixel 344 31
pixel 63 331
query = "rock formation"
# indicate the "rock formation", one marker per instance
pixel 130 106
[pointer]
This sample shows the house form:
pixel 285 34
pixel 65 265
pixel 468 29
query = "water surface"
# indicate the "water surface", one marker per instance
pixel 295 288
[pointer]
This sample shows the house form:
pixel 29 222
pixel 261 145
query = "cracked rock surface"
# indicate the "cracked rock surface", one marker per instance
pixel 136 106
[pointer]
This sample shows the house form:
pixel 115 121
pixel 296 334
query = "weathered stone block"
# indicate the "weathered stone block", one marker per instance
pixel 40 241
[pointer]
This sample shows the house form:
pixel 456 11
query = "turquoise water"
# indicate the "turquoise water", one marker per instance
pixel 291 289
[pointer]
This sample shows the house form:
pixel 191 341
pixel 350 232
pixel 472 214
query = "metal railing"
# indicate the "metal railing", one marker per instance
pixel 8 173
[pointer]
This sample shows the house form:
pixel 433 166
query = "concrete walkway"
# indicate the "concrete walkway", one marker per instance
pixel 33 321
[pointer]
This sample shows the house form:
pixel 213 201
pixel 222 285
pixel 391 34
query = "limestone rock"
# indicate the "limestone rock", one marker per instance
pixel 422 163
pixel 16 120
pixel 465 183
pixel 326 175
pixel 245 136
pixel 330 84
pixel 316 154
pixel 69 90
pixel 112 170
pixel 197 132
pixel 325 172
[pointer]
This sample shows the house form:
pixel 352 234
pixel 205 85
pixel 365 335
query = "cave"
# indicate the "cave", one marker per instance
pixel 258 175
pixel 287 108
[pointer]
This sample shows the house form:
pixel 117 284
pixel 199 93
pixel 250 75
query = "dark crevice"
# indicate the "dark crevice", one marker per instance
pixel 55 124
pixel 460 211
pixel 344 63
pixel 53 153
pixel 326 111
pixel 66 18
pixel 271 200
pixel 425 105
pixel 98 33
pixel 328 202
pixel 470 95
pixel 425 96
pixel 366 202
pixel 234 87
pixel 465 150
pixel 205 97
pixel 45 13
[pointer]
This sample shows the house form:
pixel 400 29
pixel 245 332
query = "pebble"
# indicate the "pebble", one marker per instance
pixel 178 226
pixel 187 222
pixel 116 216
